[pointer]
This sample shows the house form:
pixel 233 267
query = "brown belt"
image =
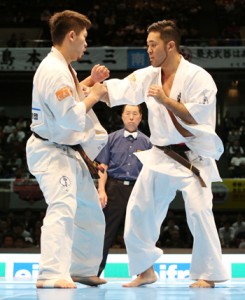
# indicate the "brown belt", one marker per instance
pixel 184 162
pixel 93 166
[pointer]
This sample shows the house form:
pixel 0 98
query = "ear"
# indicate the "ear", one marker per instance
pixel 71 35
pixel 171 45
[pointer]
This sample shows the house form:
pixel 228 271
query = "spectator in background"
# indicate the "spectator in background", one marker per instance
pixel 226 235
pixel 20 242
pixel 8 241
pixel 175 240
pixel 239 228
pixel 242 244
pixel 4 228
pixel 21 124
pixel 165 232
pixel 44 36
pixel 234 148
pixel 18 135
pixel 2 134
pixel 9 127
pixel 18 229
pixel 12 42
pixel 237 165
pixel 170 226
pixel 22 41
pixel 239 225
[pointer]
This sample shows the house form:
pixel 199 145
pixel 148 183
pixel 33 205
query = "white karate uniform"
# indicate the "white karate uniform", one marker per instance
pixel 162 176
pixel 73 229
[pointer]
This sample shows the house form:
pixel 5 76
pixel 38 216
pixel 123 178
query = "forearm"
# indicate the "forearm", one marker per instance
pixel 103 179
pixel 88 81
pixel 90 101
pixel 179 110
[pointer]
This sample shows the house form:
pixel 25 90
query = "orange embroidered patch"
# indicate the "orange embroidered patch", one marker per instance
pixel 132 77
pixel 63 93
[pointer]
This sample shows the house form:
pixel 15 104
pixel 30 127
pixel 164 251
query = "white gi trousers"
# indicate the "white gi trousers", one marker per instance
pixel 73 228
pixel 146 210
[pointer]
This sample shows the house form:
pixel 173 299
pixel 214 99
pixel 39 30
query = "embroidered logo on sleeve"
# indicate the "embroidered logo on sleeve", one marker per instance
pixel 132 77
pixel 63 93
pixel 205 98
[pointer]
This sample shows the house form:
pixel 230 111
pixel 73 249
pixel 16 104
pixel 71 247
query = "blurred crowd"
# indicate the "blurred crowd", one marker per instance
pixel 234 141
pixel 13 136
pixel 22 229
pixel 124 23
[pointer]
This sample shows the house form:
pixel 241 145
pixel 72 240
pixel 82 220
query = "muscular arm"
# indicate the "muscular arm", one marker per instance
pixel 179 110
pixel 98 74
pixel 176 108
pixel 94 96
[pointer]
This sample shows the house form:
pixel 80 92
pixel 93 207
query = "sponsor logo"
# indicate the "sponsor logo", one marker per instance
pixel 119 270
pixel 172 270
pixel 137 58
pixel 2 269
pixel 238 270
pixel 26 270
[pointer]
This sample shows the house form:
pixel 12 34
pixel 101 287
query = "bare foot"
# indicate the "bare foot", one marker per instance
pixel 146 277
pixel 62 284
pixel 91 280
pixel 201 283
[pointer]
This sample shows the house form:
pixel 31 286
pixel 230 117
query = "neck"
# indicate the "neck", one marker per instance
pixel 131 131
pixel 172 66
pixel 64 53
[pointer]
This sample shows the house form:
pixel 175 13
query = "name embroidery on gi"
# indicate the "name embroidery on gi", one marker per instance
pixel 63 93
pixel 179 97
pixel 36 115
pixel 205 98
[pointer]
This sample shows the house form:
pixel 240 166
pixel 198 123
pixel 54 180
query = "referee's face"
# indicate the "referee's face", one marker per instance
pixel 131 117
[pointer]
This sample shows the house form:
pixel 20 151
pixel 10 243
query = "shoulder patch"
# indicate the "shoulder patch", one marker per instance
pixel 131 77
pixel 63 93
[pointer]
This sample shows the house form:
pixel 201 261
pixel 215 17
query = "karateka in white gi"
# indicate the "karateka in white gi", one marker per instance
pixel 73 229
pixel 181 102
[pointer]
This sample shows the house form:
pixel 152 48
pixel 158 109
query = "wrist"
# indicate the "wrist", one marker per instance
pixel 91 80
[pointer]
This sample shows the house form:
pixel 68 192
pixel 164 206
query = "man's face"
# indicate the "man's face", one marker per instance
pixel 156 49
pixel 79 45
pixel 131 118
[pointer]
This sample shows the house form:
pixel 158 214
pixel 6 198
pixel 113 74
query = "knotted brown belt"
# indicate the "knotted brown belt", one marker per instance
pixel 93 166
pixel 168 150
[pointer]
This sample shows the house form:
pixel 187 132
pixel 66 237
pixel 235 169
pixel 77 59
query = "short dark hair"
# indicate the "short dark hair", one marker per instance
pixel 63 22
pixel 139 107
pixel 168 30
